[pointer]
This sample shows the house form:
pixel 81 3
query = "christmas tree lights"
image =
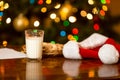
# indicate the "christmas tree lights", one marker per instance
pixel 62 20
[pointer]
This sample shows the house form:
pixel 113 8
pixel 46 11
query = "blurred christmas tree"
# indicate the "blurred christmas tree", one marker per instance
pixel 62 20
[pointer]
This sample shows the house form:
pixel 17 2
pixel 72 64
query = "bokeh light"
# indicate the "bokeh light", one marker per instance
pixel 102 12
pixel 20 22
pixel 76 37
pixel 3 6
pixel 4 43
pixel 40 2
pixel 105 8
pixel 57 19
pixel 70 37
pixel 89 16
pixel 72 19
pixel 57 6
pixel 1 13
pixel 103 1
pixel 0 19
pixel 96 27
pixel 52 15
pixel 43 9
pixel 65 14
pixel 66 23
pixel 36 23
pixel 53 42
pixel 8 20
pixel 108 1
pixel 94 10
pixel 32 1
pixel 91 2
pixel 65 10
pixel 6 5
pixel 75 31
pixel 48 1
pixel 62 33
pixel 83 13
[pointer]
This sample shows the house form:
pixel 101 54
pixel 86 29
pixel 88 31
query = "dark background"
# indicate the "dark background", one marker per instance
pixel 13 33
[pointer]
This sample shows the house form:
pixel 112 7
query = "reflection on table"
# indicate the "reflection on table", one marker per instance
pixel 57 68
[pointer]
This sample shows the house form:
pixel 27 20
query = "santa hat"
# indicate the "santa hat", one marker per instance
pixel 93 41
pixel 107 53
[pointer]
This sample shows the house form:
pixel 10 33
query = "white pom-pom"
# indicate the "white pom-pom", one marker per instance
pixel 108 54
pixel 71 50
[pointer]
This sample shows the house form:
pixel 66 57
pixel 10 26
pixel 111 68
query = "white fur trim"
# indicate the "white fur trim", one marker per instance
pixel 108 54
pixel 71 50
pixel 93 41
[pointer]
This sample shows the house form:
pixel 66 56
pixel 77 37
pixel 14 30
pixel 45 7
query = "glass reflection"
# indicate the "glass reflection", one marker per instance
pixel 34 70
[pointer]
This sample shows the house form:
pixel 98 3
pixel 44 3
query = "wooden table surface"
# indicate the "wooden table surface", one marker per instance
pixel 57 68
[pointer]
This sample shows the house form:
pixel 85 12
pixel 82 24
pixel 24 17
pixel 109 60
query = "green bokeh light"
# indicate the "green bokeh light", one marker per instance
pixel 66 23
pixel 103 1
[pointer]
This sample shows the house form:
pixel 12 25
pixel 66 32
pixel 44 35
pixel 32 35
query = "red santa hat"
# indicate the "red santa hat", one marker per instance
pixel 107 50
pixel 93 41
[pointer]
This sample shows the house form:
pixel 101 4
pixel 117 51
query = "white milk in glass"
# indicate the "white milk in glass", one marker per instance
pixel 34 47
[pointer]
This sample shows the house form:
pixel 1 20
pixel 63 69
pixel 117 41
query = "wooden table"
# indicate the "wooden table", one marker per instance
pixel 57 68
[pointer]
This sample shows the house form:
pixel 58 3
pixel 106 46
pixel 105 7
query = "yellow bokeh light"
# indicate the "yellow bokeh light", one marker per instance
pixel 48 1
pixel 4 43
pixel 0 18
pixel 72 19
pixel 57 6
pixel 44 9
pixel 105 8
pixel 91 2
pixel 95 11
pixel 66 10
pixel 53 16
pixel 1 8
pixel 1 3
pixel 57 19
pixel 21 22
pixel 6 6
pixel 83 13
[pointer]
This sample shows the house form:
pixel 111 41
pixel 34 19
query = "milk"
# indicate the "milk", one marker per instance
pixel 34 47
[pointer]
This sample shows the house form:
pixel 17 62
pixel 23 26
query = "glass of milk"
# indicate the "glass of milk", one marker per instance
pixel 34 41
